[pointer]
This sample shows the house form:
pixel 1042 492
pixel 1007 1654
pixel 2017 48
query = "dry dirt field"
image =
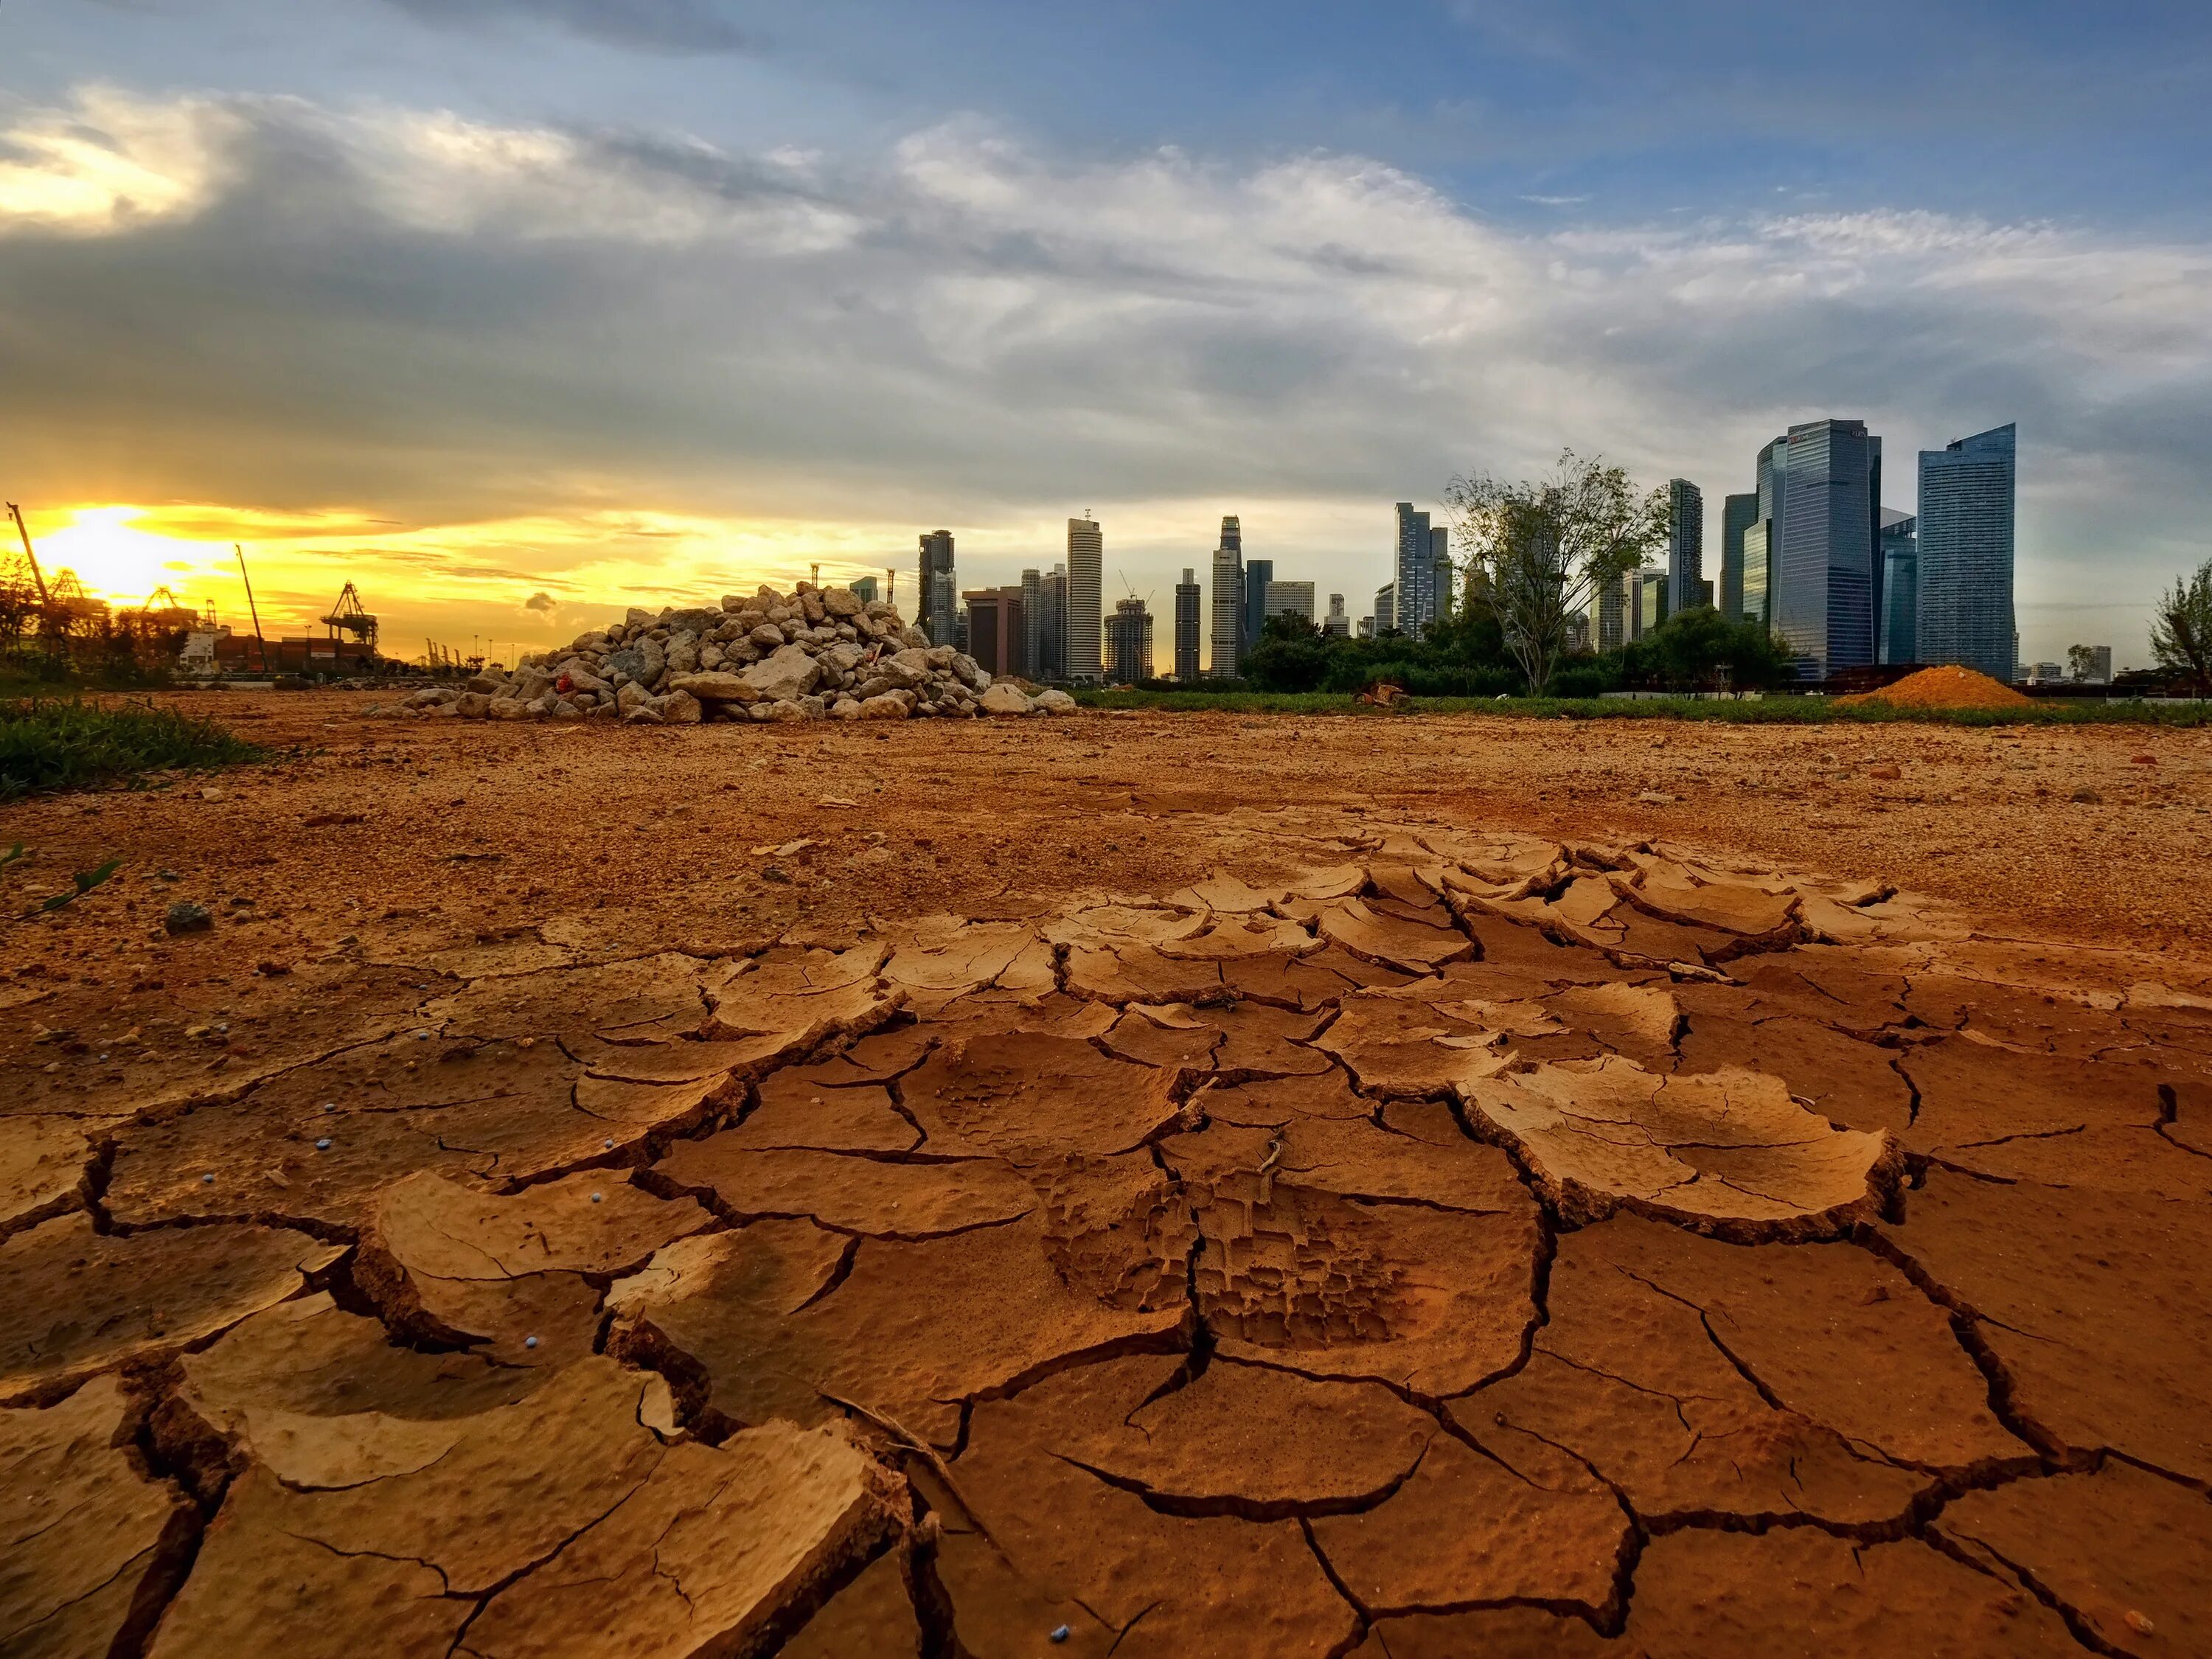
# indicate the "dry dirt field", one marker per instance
pixel 1156 1185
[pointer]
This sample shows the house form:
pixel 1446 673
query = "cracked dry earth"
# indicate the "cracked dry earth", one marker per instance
pixel 1401 1240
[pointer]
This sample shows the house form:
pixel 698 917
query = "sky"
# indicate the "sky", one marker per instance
pixel 517 312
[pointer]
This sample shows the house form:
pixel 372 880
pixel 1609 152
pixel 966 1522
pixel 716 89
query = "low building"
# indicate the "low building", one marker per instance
pixel 998 636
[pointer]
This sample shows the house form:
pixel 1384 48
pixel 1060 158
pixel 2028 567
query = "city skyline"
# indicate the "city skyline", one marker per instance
pixel 513 314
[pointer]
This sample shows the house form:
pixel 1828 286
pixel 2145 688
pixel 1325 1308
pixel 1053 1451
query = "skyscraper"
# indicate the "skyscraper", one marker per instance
pixel 1613 614
pixel 1386 609
pixel 1258 574
pixel 1415 584
pixel 1337 626
pixel 1965 608
pixel 1828 584
pixel 1086 573
pixel 1648 602
pixel 1738 515
pixel 1186 624
pixel 1291 599
pixel 1900 587
pixel 1440 568
pixel 1226 617
pixel 1686 545
pixel 936 598
pixel 1128 643
pixel 864 589
pixel 1758 575
pixel 997 630
pixel 1049 660
pixel 1032 624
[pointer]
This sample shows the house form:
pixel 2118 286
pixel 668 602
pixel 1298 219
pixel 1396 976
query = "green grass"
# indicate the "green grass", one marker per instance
pixel 66 744
pixel 1774 710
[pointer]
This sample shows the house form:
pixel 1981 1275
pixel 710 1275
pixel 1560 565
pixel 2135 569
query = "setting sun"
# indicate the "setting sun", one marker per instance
pixel 118 561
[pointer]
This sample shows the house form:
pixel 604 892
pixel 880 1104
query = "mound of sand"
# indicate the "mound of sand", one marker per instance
pixel 1942 688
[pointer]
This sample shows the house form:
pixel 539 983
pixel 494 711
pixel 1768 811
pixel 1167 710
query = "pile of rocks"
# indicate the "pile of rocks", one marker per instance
pixel 816 653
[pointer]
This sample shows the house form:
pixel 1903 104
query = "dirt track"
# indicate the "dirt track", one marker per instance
pixel 1321 1188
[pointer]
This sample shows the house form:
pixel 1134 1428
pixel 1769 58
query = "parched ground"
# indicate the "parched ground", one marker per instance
pixel 1148 1185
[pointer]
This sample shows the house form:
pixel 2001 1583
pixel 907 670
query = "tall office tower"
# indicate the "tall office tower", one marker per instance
pixel 997 633
pixel 1291 599
pixel 1612 615
pixel 1966 553
pixel 1258 574
pixel 1386 609
pixel 1415 581
pixel 863 589
pixel 1086 575
pixel 1337 625
pixel 936 595
pixel 1032 624
pixel 1827 580
pixel 1686 545
pixel 1440 582
pixel 1049 663
pixel 1366 629
pixel 1648 601
pixel 1186 639
pixel 1225 616
pixel 1738 515
pixel 1128 643
pixel 1900 587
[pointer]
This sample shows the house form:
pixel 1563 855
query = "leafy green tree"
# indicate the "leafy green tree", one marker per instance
pixel 1698 648
pixel 1543 550
pixel 2181 628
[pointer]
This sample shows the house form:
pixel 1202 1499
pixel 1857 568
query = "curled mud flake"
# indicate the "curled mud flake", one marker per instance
pixel 1223 893
pixel 940 959
pixel 1726 1151
pixel 80 1301
pixel 1418 1040
pixel 1412 943
pixel 2121 1551
pixel 90 1540
pixel 1851 1084
pixel 1640 1021
pixel 790 1001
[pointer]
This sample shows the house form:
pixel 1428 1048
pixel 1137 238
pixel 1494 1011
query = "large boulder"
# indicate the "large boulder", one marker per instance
pixel 1004 697
pixel 888 707
pixel 1055 703
pixel 785 675
pixel 717 686
pixel 681 708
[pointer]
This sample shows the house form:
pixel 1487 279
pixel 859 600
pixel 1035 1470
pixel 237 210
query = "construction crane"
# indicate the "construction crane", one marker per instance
pixel 348 614
pixel 37 577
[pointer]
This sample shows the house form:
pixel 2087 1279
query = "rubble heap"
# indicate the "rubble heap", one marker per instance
pixel 814 654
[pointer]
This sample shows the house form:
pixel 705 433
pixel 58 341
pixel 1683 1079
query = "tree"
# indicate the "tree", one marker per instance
pixel 1691 647
pixel 2181 628
pixel 2080 660
pixel 1545 549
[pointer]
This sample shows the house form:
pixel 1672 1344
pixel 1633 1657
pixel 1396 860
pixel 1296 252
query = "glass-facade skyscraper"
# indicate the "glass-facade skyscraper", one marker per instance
pixel 1827 578
pixel 1685 545
pixel 1258 573
pixel 1738 515
pixel 1415 582
pixel 1225 626
pixel 937 600
pixel 1086 620
pixel 1900 588
pixel 1186 626
pixel 1965 608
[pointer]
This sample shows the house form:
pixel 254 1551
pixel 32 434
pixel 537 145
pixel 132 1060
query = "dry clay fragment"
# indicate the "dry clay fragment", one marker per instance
pixel 42 1165
pixel 791 1001
pixel 456 1265
pixel 88 1543
pixel 760 1325
pixel 940 959
pixel 1725 1152
pixel 633 1001
pixel 1396 941
pixel 597 1538
pixel 874 1197
pixel 2089 1300
pixel 796 1111
pixel 872 1618
pixel 80 1302
pixel 1851 1083
pixel 1030 1097
pixel 1425 1039
pixel 1706 1379
pixel 1300 1269
pixel 2124 1552
pixel 1060 1546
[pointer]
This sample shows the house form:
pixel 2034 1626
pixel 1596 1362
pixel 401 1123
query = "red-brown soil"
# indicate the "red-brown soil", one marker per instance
pixel 1150 1186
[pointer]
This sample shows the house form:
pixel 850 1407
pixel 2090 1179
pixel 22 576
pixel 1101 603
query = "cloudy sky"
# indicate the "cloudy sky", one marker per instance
pixel 517 311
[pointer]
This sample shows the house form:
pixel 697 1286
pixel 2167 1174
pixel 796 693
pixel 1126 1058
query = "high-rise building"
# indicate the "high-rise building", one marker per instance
pixel 1686 545
pixel 1900 587
pixel 1758 573
pixel 1440 568
pixel 1289 598
pixel 1366 629
pixel 1186 624
pixel 1827 581
pixel 1649 593
pixel 997 632
pixel 864 589
pixel 1086 575
pixel 1032 597
pixel 1048 662
pixel 1738 515
pixel 1613 614
pixel 1337 625
pixel 1386 609
pixel 1258 574
pixel 937 596
pixel 2100 666
pixel 1128 643
pixel 1415 581
pixel 1225 628
pixel 1965 529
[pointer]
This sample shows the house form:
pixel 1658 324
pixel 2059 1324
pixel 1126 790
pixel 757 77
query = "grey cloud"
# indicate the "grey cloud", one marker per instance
pixel 675 26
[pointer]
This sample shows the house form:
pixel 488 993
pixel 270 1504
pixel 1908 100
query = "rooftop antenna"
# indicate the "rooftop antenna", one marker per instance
pixel 260 645
pixel 38 576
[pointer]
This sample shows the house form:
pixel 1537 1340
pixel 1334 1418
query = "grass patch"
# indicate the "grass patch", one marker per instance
pixel 66 744
pixel 1771 710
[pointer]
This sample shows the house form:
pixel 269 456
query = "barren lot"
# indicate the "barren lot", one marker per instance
pixel 1156 1185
